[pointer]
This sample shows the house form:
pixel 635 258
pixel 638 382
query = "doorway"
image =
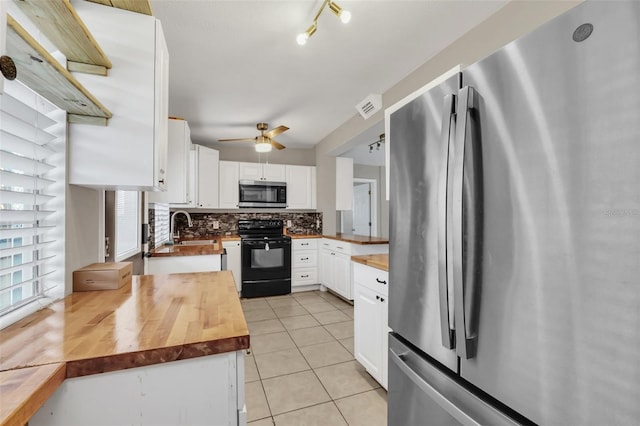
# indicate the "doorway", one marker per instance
pixel 364 211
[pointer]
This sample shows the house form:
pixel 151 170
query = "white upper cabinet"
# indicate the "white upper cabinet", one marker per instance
pixel 179 190
pixel 250 171
pixel 300 187
pixel 207 177
pixel 260 171
pixel 344 183
pixel 130 152
pixel 274 172
pixel 228 178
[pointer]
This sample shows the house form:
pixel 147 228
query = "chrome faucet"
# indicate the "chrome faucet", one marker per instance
pixel 173 220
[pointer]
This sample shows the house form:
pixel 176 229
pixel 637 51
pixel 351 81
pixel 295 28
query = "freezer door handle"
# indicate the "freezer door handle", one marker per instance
pixel 465 227
pixel 403 362
pixel 446 319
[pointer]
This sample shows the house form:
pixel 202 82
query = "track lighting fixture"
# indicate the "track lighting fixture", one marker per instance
pixel 376 143
pixel 344 15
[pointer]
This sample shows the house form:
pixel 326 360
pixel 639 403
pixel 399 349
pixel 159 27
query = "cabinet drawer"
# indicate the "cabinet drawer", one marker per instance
pixel 305 244
pixel 304 259
pixel 372 278
pixel 304 276
pixel 337 246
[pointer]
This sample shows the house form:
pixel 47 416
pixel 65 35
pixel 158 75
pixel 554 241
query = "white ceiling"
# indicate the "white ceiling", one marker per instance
pixel 235 63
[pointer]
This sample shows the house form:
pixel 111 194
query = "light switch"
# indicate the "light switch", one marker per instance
pixel 216 224
pixel 288 223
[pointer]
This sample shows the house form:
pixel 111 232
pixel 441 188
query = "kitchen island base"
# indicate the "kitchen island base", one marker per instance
pixel 195 391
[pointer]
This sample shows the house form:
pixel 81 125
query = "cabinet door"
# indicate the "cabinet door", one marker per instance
pixel 299 189
pixel 250 171
pixel 325 268
pixel 161 112
pixel 341 270
pixel 274 172
pixel 177 172
pixel 228 178
pixel 367 322
pixel 208 176
pixel 234 263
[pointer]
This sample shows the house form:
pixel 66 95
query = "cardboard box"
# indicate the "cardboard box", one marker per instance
pixel 102 276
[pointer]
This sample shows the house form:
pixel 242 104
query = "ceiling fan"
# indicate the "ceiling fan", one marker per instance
pixel 265 141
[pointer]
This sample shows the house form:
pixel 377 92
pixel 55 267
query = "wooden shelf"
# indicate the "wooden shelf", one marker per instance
pixel 139 6
pixel 43 74
pixel 58 20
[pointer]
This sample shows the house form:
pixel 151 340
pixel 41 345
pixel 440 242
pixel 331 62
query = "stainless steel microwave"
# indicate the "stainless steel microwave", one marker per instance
pixel 262 194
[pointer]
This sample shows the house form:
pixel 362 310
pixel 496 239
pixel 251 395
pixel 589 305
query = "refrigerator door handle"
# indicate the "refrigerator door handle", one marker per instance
pixel 463 244
pixel 444 249
pixel 403 363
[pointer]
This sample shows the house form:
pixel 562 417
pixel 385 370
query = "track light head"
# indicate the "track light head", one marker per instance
pixel 303 37
pixel 344 15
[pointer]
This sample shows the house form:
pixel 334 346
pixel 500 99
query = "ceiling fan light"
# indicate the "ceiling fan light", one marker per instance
pixel 263 146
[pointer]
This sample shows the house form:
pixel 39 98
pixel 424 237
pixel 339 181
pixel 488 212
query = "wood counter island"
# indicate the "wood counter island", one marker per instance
pixel 116 347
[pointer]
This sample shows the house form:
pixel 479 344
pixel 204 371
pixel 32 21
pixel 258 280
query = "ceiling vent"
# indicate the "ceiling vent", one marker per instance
pixel 369 106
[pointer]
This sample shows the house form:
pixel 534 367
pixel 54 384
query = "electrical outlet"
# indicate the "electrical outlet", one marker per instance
pixel 216 224
pixel 288 223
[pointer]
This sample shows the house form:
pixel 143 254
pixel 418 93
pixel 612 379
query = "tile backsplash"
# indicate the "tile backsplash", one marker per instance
pixel 203 223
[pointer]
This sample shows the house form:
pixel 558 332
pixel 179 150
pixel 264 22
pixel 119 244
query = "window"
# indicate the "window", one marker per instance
pixel 127 223
pixel 160 224
pixel 32 166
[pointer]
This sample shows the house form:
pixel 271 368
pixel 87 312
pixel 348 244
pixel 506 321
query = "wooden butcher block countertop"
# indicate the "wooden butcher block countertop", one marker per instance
pixel 155 319
pixel 379 261
pixel 357 239
pixel 187 250
pixel 304 236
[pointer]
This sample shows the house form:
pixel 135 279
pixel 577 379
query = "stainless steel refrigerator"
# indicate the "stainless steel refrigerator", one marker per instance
pixel 515 233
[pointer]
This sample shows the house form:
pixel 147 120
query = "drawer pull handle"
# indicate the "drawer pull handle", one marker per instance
pixel 381 282
pixel 341 248
pixel 304 258
pixel 304 244
pixel 304 276
pixel 377 297
pixel 333 254
pixel 382 299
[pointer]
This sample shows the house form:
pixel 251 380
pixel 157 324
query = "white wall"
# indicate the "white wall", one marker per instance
pixel 382 205
pixel 507 24
pixel 295 156
pixel 83 225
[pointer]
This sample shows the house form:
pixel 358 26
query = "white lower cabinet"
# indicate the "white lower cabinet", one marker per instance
pixel 370 320
pixel 206 390
pixel 304 262
pixel 234 261
pixel 335 263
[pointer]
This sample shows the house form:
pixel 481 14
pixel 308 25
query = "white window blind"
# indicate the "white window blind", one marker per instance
pixel 161 224
pixel 127 224
pixel 32 161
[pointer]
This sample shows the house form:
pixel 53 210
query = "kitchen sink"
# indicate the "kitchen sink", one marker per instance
pixel 197 242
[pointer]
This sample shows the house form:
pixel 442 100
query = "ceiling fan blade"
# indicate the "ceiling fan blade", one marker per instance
pixel 277 145
pixel 237 140
pixel 275 132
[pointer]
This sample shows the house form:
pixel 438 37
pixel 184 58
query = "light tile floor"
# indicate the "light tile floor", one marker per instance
pixel 300 370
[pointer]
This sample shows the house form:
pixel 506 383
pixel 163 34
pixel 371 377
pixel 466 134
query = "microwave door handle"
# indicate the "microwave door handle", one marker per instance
pixel 466 218
pixel 446 308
